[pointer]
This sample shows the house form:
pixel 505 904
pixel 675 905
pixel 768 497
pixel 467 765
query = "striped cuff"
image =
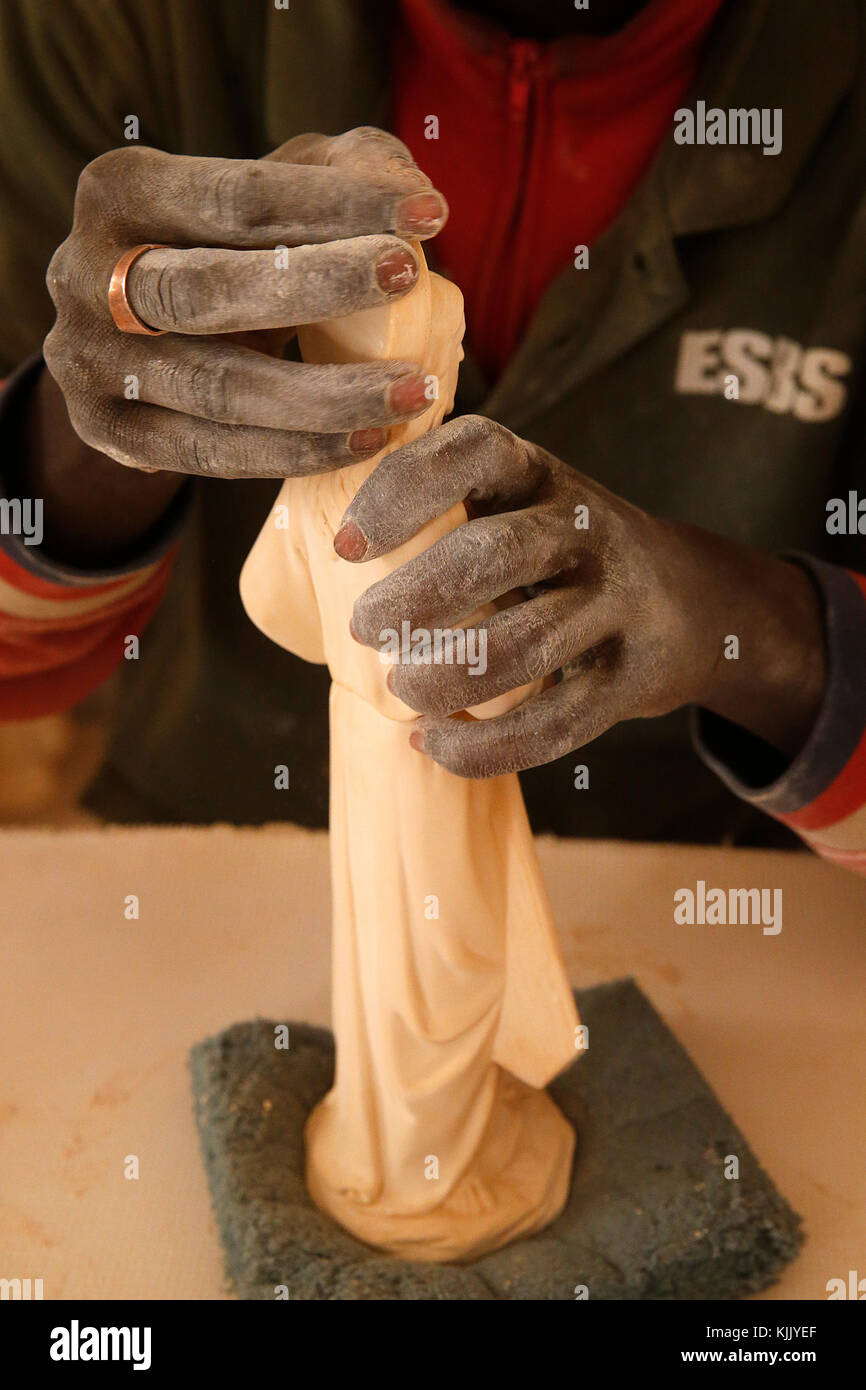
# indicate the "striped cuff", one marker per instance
pixel 821 794
pixel 32 558
pixel 63 629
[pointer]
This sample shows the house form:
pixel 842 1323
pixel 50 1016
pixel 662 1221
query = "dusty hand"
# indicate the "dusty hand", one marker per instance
pixel 207 405
pixel 631 612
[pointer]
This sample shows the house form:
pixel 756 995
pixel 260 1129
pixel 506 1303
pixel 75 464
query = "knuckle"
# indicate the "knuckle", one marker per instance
pixel 473 427
pixel 57 275
pixel 100 170
pixel 452 567
pixel 566 725
pixel 94 419
pixel 532 463
pixel 545 653
pixel 235 198
pixel 380 151
pixel 106 173
pixel 69 279
pixel 312 453
pixel 491 440
pixel 109 165
pixel 506 541
pixel 209 390
pixel 483 428
pixel 538 649
pixel 196 452
pixel 111 191
pixel 540 541
pixel 362 133
pixel 54 353
pixel 352 140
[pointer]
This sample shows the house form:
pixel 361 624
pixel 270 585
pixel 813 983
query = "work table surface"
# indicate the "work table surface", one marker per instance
pixel 98 1012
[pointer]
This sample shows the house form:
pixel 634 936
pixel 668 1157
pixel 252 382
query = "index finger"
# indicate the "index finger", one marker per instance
pixel 256 204
pixel 469 458
pixel 365 150
pixel 378 155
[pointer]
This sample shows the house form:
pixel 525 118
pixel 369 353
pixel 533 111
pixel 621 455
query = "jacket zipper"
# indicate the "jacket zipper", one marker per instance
pixel 525 56
pixel 523 69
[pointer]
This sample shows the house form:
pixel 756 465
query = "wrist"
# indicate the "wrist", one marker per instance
pixel 770 680
pixel 95 509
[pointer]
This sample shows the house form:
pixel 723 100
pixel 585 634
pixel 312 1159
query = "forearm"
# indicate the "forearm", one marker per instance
pixel 94 509
pixel 820 792
pixel 772 680
pixel 67 606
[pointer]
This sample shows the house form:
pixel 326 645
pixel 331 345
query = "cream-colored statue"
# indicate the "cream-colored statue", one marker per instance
pixel 451 1006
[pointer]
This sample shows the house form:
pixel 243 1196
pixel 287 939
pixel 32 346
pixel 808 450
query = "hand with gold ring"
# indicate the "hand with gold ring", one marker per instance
pixel 183 275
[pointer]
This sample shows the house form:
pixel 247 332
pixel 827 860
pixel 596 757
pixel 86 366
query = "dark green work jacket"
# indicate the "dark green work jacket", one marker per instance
pixel 725 261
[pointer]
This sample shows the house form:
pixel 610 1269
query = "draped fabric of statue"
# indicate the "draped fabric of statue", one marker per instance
pixel 451 1007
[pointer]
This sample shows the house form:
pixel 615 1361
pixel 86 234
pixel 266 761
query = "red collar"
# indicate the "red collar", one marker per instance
pixel 648 47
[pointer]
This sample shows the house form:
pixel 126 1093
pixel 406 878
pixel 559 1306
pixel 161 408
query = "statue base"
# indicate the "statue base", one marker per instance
pixel 517 1184
pixel 654 1210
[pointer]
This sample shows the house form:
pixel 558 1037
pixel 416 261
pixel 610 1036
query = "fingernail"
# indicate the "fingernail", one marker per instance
pixel 416 740
pixel 408 395
pixel 367 441
pixel 396 270
pixel 421 214
pixel 389 679
pixel 350 542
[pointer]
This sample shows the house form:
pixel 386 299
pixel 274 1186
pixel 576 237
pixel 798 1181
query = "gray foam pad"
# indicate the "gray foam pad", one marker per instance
pixel 651 1213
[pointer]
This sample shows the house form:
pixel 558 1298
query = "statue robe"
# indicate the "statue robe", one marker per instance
pixel 451 1006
